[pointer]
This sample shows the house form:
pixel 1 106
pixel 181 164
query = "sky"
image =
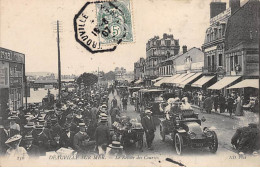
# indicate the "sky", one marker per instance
pixel 28 27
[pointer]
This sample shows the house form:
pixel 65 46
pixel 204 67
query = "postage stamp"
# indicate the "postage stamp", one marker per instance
pixel 102 25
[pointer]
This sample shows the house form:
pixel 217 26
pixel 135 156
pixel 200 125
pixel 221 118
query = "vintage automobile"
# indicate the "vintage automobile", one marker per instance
pixel 128 132
pixel 184 128
pixel 150 99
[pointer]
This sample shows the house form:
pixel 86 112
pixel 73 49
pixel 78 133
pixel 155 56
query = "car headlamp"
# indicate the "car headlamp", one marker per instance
pixel 192 135
pixel 209 134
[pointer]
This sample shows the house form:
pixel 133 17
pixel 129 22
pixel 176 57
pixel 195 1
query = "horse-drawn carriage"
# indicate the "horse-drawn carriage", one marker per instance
pixel 184 128
pixel 128 132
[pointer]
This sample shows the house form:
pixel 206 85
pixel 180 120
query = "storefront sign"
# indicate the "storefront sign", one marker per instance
pixel 8 55
pixel 16 82
pixel 4 82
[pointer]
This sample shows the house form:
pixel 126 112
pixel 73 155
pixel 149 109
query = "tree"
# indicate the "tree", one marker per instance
pixel 110 76
pixel 88 79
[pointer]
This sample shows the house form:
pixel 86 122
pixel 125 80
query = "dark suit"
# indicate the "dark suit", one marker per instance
pixel 54 146
pixel 149 127
pixel 3 138
pixel 33 151
pixel 67 141
pixel 78 142
pixel 56 129
pixel 41 140
pixel 102 134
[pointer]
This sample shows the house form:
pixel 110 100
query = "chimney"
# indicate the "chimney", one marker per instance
pixel 234 5
pixel 184 49
pixel 216 7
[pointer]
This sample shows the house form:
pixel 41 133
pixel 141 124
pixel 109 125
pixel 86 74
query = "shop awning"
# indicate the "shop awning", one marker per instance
pixel 203 80
pixel 188 80
pixel 176 78
pixel 157 79
pixel 169 80
pixel 182 78
pixel 157 84
pixel 224 82
pixel 246 83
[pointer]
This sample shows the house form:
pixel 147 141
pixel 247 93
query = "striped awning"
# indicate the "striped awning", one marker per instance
pixel 182 78
pixel 224 82
pixel 254 83
pixel 188 80
pixel 203 80
pixel 158 84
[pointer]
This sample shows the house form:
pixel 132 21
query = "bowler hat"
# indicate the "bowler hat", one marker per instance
pixel 66 126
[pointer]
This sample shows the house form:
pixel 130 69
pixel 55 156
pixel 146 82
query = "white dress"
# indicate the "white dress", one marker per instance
pixel 18 153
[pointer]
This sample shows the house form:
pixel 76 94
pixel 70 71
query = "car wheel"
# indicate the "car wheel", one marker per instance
pixel 178 141
pixel 162 132
pixel 214 146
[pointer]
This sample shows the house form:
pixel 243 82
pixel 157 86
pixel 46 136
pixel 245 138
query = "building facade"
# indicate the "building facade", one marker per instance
pixel 12 76
pixel 213 46
pixel 158 50
pixel 190 61
pixel 139 67
pixel 119 73
pixel 242 41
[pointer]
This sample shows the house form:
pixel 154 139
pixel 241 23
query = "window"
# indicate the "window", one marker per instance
pixel 168 42
pixel 215 34
pixel 209 61
pixel 220 60
pixel 213 60
pixel 236 60
pixel 231 63
pixel 158 42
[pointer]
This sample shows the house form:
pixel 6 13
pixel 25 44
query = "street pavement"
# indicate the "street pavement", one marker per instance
pixel 224 127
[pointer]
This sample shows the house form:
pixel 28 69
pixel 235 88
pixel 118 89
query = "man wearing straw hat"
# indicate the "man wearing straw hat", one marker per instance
pixel 115 149
pixel 41 140
pixel 81 140
pixel 102 136
pixel 149 127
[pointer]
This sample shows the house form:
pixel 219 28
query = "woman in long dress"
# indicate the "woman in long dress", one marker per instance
pixel 14 151
pixel 239 110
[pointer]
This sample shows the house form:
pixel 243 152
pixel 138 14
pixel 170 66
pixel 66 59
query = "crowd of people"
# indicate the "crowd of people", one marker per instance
pixel 234 103
pixel 78 122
